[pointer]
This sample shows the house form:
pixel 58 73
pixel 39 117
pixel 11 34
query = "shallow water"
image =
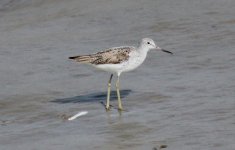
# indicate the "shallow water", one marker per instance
pixel 185 101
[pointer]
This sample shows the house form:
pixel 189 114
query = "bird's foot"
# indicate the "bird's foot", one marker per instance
pixel 107 108
pixel 120 109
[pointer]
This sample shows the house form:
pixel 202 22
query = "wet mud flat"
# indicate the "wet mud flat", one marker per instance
pixel 184 101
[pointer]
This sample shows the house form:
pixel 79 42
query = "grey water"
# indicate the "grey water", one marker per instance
pixel 185 101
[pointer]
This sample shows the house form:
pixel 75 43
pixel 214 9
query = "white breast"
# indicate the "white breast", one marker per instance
pixel 135 60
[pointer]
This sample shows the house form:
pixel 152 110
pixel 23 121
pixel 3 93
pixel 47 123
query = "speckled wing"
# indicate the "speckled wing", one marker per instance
pixel 111 56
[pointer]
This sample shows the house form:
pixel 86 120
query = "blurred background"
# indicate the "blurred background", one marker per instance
pixel 185 101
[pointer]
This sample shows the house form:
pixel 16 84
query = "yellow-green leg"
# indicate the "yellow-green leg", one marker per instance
pixel 118 95
pixel 108 93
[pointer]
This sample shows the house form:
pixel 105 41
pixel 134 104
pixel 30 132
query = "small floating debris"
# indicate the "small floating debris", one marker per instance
pixel 82 113
pixel 158 147
pixel 64 117
pixel 5 122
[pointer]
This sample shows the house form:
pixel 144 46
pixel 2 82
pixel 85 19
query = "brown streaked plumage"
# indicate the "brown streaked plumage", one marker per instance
pixel 117 60
pixel 114 55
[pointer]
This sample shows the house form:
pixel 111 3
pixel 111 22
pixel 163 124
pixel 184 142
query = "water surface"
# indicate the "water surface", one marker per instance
pixel 184 101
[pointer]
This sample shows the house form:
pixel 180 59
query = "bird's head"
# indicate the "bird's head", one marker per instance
pixel 150 44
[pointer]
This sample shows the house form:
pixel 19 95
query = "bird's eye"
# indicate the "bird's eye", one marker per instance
pixel 148 43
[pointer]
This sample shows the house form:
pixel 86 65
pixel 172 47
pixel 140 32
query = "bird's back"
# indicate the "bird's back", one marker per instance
pixel 115 55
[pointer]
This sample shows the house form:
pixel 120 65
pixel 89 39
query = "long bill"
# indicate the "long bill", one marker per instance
pixel 166 51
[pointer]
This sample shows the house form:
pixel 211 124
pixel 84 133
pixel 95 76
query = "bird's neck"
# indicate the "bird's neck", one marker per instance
pixel 143 50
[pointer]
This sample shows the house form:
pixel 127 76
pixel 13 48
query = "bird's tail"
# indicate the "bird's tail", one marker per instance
pixel 82 59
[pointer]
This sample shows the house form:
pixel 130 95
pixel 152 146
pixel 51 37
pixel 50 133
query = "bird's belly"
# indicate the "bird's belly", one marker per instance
pixel 132 64
pixel 126 66
pixel 113 68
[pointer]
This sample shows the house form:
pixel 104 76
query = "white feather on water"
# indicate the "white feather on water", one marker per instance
pixel 82 113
